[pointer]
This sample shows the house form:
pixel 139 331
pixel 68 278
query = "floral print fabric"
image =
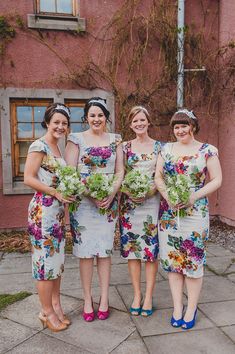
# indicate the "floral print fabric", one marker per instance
pixel 138 222
pixel 182 241
pixel 92 232
pixel 46 224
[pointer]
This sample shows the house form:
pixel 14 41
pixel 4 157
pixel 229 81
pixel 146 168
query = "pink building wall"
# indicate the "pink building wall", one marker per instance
pixel 35 66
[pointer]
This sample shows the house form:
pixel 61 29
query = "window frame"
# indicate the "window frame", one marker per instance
pixel 73 13
pixel 8 95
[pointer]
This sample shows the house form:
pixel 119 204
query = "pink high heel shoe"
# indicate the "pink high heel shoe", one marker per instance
pixel 102 315
pixel 89 316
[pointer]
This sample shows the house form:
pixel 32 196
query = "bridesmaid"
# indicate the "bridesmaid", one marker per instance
pixel 46 222
pixel 139 217
pixel 91 151
pixel 182 243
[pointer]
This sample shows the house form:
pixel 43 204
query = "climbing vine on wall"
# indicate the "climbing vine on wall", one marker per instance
pixel 137 60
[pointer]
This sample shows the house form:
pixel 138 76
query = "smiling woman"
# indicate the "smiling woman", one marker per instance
pixel 46 222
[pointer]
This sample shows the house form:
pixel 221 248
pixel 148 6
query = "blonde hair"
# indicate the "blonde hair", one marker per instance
pixel 135 110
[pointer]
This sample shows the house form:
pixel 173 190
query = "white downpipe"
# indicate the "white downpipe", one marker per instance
pixel 180 56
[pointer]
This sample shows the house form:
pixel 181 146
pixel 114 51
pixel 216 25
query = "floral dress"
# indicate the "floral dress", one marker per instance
pixel 46 222
pixel 182 240
pixel 139 222
pixel 93 233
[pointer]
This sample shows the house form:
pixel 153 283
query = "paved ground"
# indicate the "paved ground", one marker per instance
pixel 20 330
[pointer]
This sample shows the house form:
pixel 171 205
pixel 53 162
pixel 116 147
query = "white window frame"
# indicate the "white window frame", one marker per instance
pixel 18 187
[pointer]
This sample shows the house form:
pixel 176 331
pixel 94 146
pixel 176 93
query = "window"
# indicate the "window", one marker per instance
pixel 61 15
pixel 26 127
pixel 66 7
pixel 76 109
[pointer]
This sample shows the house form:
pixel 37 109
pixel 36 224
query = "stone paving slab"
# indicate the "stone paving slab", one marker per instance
pixel 16 255
pixel 217 288
pixel 12 333
pixel 222 313
pixel 26 311
pixel 13 283
pixel 219 265
pixel 117 259
pixel 231 277
pixel 97 336
pixel 218 251
pixel 159 323
pixel 43 344
pixel 133 344
pixel 230 332
pixel 207 341
pixel 115 300
pixel 16 265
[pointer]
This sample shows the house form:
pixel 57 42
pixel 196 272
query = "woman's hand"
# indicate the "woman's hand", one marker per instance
pixel 63 199
pixel 106 202
pixel 191 201
pixel 135 200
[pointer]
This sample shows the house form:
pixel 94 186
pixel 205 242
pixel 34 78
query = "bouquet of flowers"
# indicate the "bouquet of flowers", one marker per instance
pixel 136 183
pixel 100 186
pixel 70 184
pixel 178 190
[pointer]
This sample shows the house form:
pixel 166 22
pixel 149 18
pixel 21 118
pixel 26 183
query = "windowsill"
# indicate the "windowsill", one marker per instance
pixel 17 188
pixel 60 23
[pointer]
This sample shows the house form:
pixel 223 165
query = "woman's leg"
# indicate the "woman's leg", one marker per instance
pixel 45 290
pixel 86 273
pixel 134 266
pixel 56 299
pixel 150 275
pixel 176 282
pixel 193 286
pixel 104 271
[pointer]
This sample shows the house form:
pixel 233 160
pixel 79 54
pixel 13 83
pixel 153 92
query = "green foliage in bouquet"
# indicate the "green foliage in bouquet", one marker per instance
pixel 136 183
pixel 178 190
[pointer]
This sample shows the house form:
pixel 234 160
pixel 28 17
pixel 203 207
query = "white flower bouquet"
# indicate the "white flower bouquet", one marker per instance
pixel 70 184
pixel 136 183
pixel 178 190
pixel 100 186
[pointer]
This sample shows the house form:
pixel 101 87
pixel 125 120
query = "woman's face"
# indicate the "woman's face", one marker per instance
pixel 140 124
pixel 183 132
pixel 58 125
pixel 96 118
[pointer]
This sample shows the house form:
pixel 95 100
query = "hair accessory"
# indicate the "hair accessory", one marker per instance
pixel 102 102
pixel 59 107
pixel 188 113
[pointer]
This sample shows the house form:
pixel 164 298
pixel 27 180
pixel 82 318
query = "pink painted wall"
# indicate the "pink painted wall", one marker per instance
pixel 227 125
pixel 35 66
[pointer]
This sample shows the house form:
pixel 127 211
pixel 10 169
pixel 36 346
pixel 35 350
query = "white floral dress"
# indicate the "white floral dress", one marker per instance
pixel 93 233
pixel 182 241
pixel 139 223
pixel 46 222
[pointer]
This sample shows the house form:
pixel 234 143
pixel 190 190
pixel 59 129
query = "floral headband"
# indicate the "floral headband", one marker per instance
pixel 101 102
pixel 59 107
pixel 188 113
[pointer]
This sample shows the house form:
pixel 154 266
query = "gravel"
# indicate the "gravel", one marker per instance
pixel 222 234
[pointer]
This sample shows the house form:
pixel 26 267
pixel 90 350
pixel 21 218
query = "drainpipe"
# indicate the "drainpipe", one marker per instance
pixel 180 56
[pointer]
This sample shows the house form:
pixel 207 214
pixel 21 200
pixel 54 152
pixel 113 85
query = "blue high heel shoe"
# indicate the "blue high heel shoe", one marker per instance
pixel 146 313
pixel 188 325
pixel 135 311
pixel 177 323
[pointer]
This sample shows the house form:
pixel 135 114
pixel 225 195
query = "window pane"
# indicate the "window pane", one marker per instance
pixel 65 6
pixel 39 113
pixel 38 130
pixel 24 114
pixel 47 6
pixel 76 114
pixel 23 147
pixel 22 164
pixel 78 127
pixel 24 130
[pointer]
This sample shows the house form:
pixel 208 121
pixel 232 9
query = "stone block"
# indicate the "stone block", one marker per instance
pixel 221 313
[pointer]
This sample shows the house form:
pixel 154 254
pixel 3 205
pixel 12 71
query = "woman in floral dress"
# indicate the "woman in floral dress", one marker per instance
pixel 95 151
pixel 46 222
pixel 182 239
pixel 139 217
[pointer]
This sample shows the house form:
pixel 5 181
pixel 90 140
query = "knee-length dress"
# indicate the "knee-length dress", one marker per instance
pixel 46 222
pixel 139 222
pixel 182 240
pixel 93 233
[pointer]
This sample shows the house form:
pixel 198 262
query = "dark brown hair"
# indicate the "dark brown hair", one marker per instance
pixel 181 117
pixel 94 101
pixel 51 110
